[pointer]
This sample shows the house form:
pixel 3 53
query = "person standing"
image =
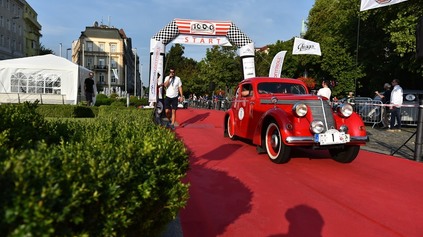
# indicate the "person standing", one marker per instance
pixel 325 90
pixel 385 98
pixel 173 85
pixel 395 106
pixel 89 88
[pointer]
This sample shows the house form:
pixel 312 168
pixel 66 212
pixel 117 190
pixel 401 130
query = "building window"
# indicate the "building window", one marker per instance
pixel 113 63
pixel 102 63
pixel 89 46
pixel 101 78
pixel 89 62
pixel 113 48
pixel 101 47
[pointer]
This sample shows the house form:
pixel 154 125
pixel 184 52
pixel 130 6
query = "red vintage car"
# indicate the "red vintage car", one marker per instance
pixel 277 114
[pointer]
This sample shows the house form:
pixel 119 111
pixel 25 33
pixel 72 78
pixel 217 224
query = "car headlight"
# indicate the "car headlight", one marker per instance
pixel 300 109
pixel 317 126
pixel 345 110
pixel 410 97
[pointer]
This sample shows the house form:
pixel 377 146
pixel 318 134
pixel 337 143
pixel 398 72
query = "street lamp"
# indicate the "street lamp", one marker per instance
pixel 67 50
pixel 134 50
pixel 60 48
pixel 14 41
pixel 142 90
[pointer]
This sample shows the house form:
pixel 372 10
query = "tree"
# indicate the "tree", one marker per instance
pixel 44 50
pixel 221 67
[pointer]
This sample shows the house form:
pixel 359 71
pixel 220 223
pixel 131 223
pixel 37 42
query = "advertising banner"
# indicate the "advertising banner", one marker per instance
pixel 302 46
pixel 277 63
pixel 370 4
pixel 156 49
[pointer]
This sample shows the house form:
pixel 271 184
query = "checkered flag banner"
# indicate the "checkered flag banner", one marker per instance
pixel 167 34
pixel 172 30
pixel 237 37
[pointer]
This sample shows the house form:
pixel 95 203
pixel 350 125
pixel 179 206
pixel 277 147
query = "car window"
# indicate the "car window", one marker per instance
pixel 246 90
pixel 280 88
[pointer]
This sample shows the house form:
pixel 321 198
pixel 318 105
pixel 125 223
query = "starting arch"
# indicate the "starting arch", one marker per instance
pixel 198 32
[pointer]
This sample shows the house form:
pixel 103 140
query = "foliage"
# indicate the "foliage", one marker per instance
pixel 44 50
pixel 360 51
pixel 310 82
pixel 115 175
pixel 66 111
pixel 221 69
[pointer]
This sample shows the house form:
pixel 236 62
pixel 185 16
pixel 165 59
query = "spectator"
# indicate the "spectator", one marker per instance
pixel 385 98
pixel 324 91
pixel 395 106
pixel 89 88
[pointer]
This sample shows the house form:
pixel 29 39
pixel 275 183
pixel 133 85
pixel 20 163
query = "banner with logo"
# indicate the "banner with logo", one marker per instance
pixel 156 49
pixel 277 63
pixel 370 4
pixel 302 46
pixel 247 53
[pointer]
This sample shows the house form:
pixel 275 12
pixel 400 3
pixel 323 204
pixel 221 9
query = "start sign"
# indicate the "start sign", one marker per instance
pixel 202 40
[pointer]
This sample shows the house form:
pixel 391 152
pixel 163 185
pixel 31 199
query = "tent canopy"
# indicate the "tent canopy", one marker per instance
pixel 47 78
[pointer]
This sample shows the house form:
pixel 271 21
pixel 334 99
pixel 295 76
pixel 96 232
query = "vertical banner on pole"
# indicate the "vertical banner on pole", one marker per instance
pixel 156 49
pixel 277 63
pixel 247 57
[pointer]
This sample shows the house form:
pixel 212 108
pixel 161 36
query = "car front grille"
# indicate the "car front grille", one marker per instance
pixel 322 111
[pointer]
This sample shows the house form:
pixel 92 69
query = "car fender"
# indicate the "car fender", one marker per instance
pixel 354 123
pixel 276 114
pixel 225 125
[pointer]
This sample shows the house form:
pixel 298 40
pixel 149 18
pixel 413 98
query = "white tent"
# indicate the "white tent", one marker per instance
pixel 47 78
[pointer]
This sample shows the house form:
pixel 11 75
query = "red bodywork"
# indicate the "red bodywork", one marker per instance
pixel 252 111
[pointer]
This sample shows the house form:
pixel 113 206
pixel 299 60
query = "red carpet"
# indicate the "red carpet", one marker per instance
pixel 236 192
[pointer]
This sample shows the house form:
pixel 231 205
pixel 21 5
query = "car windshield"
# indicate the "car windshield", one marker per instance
pixel 280 88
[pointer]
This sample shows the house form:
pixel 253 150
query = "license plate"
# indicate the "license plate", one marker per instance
pixel 332 137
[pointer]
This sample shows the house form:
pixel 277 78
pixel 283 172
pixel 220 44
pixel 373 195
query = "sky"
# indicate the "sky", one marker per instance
pixel 264 22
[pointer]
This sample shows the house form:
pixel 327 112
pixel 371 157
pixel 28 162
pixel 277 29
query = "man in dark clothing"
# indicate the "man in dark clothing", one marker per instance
pixel 89 89
pixel 385 97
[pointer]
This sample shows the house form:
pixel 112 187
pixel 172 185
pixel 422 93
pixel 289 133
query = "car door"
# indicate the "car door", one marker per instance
pixel 243 110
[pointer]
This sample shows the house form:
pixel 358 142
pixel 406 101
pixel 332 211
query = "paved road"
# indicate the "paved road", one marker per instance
pixel 381 141
pixel 400 144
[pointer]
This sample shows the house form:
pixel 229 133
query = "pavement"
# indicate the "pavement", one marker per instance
pixel 400 144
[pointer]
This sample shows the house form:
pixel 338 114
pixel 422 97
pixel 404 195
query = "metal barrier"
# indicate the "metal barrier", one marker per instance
pixel 371 112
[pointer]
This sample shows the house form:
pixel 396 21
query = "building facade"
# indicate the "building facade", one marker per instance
pixel 19 30
pixel 108 53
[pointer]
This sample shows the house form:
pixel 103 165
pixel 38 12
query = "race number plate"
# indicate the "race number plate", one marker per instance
pixel 332 137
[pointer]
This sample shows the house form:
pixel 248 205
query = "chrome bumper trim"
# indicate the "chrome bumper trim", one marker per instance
pixel 309 139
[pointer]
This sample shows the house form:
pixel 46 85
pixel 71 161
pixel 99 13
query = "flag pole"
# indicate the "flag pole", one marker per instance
pixel 356 53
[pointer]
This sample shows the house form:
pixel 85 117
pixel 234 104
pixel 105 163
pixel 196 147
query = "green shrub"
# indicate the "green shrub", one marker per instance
pixel 67 111
pixel 115 175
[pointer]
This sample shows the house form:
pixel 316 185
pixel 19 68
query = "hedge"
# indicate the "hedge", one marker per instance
pixel 114 175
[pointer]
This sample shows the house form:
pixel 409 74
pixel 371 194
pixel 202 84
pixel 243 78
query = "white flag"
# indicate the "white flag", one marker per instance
pixel 370 4
pixel 302 46
pixel 277 63
pixel 115 73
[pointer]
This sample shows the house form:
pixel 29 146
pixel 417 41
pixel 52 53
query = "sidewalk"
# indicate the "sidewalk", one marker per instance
pixel 385 142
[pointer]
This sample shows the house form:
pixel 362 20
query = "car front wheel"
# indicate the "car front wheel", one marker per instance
pixel 277 151
pixel 230 128
pixel 345 155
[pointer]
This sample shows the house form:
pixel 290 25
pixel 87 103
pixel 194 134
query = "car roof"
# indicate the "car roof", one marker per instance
pixel 272 79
